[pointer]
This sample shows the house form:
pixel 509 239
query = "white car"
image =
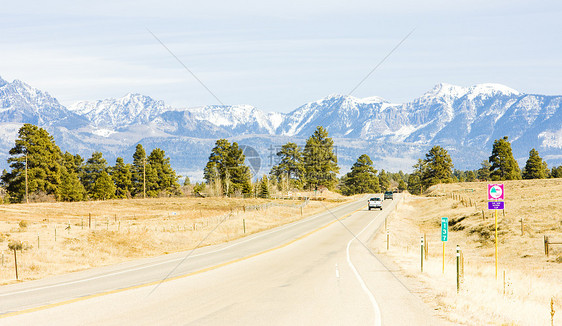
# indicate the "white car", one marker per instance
pixel 375 202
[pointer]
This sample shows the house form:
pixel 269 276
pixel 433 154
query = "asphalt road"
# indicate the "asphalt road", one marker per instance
pixel 312 272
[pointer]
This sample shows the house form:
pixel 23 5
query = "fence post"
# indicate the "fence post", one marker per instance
pixel 504 282
pixel 521 226
pixel 387 239
pixel 546 245
pixel 421 255
pixel 426 246
pixel 552 311
pixel 458 267
pixel 244 224
pixel 16 263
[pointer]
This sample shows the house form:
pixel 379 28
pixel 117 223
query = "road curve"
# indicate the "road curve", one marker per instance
pixel 314 271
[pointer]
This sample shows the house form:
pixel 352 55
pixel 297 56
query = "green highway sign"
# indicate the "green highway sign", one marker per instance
pixel 444 229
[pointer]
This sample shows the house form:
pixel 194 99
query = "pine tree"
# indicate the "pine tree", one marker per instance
pixel 470 176
pixel 290 170
pixel 226 171
pixel 484 171
pixel 72 162
pixel 264 187
pixel 103 188
pixel 215 170
pixel 70 189
pixel 186 181
pixel 362 178
pixel 556 172
pixel 92 170
pixel 138 171
pixel 320 161
pixel 44 168
pixel 239 174
pixel 504 166
pixel 535 168
pixel 122 177
pixel 438 167
pixel 402 185
pixel 384 180
pixel 415 179
pixel 166 180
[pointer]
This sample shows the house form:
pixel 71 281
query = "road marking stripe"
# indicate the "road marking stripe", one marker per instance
pixel 260 235
pixel 57 304
pixel 374 303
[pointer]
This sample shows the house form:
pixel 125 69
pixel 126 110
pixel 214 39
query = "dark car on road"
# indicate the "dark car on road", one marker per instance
pixel 388 195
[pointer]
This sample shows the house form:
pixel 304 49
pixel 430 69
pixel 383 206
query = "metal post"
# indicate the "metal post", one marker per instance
pixel 504 283
pixel 426 247
pixel 421 255
pixel 244 224
pixel 458 267
pixel 443 270
pixel 552 311
pixel 387 239
pixel 496 240
pixel 16 263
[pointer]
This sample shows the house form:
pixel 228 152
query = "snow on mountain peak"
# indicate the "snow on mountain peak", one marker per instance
pixel 238 115
pixel 491 89
pixel 114 113
pixel 446 90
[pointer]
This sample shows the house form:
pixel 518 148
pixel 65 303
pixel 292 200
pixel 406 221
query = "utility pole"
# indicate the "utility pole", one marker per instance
pixel 144 177
pixel 26 187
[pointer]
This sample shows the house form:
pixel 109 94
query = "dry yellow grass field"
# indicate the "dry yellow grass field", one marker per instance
pixel 61 237
pixel 531 278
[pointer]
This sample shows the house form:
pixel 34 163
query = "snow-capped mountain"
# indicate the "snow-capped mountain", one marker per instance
pixel 21 103
pixel 219 120
pixel 115 113
pixel 465 120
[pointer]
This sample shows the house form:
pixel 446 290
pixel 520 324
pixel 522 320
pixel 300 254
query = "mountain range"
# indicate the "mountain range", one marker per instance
pixel 464 120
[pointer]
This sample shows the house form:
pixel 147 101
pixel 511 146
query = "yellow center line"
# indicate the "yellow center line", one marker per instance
pixel 210 268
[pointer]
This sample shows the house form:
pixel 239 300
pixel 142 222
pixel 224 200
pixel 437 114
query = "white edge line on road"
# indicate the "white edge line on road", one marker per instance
pixel 362 282
pixel 311 218
pixel 15 313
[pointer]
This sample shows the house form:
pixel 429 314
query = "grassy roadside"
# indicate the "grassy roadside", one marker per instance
pixel 531 278
pixel 61 237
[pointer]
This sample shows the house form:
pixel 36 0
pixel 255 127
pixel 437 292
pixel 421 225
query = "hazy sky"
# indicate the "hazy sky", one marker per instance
pixel 278 55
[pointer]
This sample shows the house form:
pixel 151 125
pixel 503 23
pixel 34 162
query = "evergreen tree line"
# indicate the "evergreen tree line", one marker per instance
pixel 311 167
pixel 437 167
pixel 314 166
pixel 37 163
pixel 363 178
